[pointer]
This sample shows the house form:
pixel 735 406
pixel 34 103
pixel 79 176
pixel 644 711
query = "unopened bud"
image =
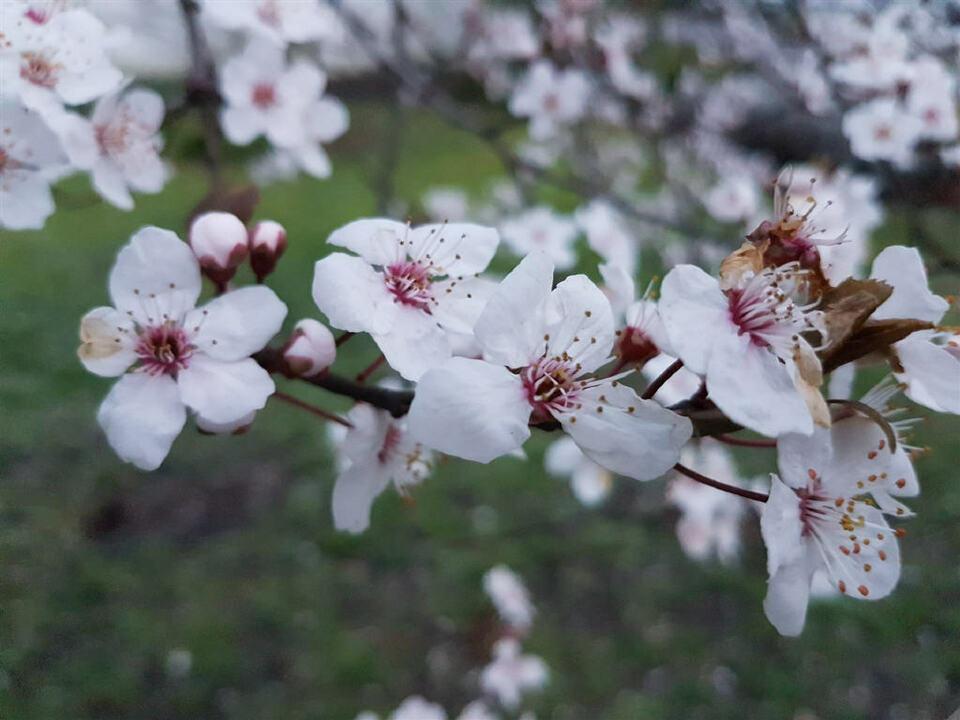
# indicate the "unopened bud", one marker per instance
pixel 311 348
pixel 268 240
pixel 219 240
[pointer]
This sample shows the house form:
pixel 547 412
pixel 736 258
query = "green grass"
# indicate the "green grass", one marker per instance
pixel 228 551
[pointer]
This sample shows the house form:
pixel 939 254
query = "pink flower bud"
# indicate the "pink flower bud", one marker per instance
pixel 219 240
pixel 268 240
pixel 311 348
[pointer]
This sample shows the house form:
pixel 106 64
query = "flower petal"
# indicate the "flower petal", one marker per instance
pixel 902 268
pixel 142 416
pixel 156 276
pixel 511 327
pixel 379 241
pixel 352 294
pixel 236 324
pixel 414 344
pixel 470 409
pixel 754 388
pixel 579 323
pixel 354 492
pixel 930 372
pixel 223 392
pixel 629 436
pixel 453 249
pixel 695 313
pixel 107 341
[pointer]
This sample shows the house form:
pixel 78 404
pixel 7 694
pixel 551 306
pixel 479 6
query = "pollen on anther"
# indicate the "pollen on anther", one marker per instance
pixel 587 313
pixel 872 455
pixel 882 555
pixel 867 567
pixel 863 590
pixel 841 586
pixel 630 408
pixel 901 482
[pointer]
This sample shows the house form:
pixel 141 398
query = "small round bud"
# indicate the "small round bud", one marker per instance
pixel 219 240
pixel 311 348
pixel 268 240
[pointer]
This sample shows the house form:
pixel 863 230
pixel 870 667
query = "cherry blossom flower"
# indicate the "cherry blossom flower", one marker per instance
pixel 748 343
pixel 608 235
pixel 501 33
pixel 552 99
pixel 928 362
pixel 591 484
pixel 311 348
pixel 280 21
pixel 510 597
pixel 119 145
pixel 709 521
pixel 932 99
pixel 510 675
pixel 816 519
pixel 30 159
pixel 446 204
pixel 641 334
pixel 375 452
pixel 884 61
pixel 540 228
pixel 408 288
pixel 324 121
pixel 181 356
pixel 540 348
pixel 265 96
pixel 51 59
pixel 882 129
pixel 146 38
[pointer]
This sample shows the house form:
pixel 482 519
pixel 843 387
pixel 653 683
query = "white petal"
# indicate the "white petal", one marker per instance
pixel 695 313
pixel 109 182
pixel 241 125
pixel 327 119
pixel 354 492
pixel 460 303
pixel 470 409
pixel 788 594
pixel 562 457
pixel 755 389
pixel 352 294
pixel 156 273
pixel 107 339
pixel 142 416
pixel 781 527
pixel 368 433
pixel 454 249
pixel 224 391
pixel 579 322
pixel 376 240
pixel 236 324
pixel 314 161
pixel 591 483
pixel 798 454
pixel 903 268
pixel 619 286
pixel 510 329
pixel 414 344
pixel 930 372
pixel 629 436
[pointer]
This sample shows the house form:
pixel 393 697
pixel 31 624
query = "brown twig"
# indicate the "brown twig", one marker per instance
pixel 732 489
pixel 313 409
pixel 746 442
pixel 661 380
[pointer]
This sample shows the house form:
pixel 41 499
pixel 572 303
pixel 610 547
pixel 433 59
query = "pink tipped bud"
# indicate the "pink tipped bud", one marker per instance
pixel 219 240
pixel 268 240
pixel 311 348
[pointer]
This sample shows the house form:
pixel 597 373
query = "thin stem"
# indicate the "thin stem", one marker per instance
pixel 746 442
pixel 313 409
pixel 370 369
pixel 343 338
pixel 662 379
pixel 732 489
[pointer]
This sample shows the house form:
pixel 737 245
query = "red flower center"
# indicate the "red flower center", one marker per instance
pixel 264 95
pixel 409 283
pixel 164 349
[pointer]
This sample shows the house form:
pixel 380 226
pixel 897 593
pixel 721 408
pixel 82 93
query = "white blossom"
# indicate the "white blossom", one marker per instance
pixel 181 356
pixel 552 99
pixel 509 596
pixel 510 675
pixel 540 228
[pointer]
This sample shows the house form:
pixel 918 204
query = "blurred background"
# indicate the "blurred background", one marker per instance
pixel 217 588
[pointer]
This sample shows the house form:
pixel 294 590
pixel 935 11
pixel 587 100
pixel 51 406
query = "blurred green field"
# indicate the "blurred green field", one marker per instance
pixel 228 552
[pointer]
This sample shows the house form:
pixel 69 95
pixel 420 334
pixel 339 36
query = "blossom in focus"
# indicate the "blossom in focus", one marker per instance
pixel 510 597
pixel 409 288
pixel 510 675
pixel 171 355
pixel 311 348
pixel 748 344
pixel 710 521
pixel 591 484
pixel 119 145
pixel 264 95
pixel 928 362
pixel 640 333
pixel 540 228
pixel 540 348
pixel 816 518
pixel 553 99
pixel 51 59
pixel 30 159
pixel 375 452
